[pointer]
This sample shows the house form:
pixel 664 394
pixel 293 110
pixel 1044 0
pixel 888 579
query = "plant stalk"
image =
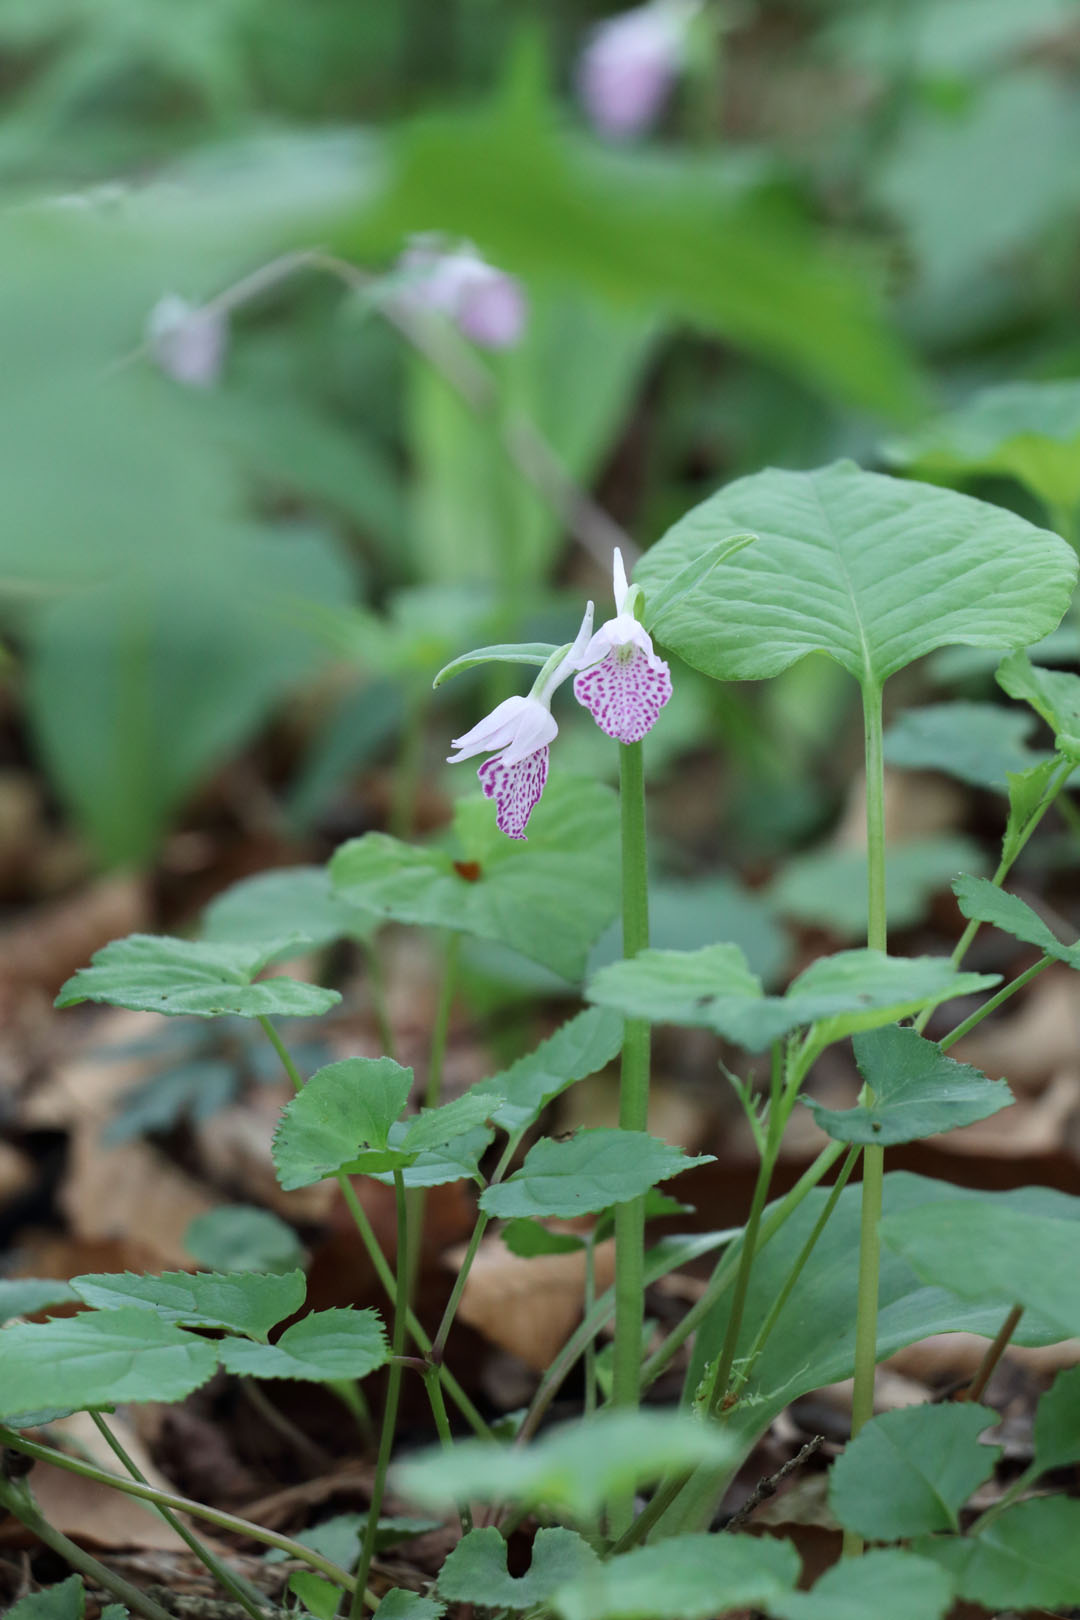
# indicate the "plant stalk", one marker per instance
pixel 994 1353
pixel 417 1196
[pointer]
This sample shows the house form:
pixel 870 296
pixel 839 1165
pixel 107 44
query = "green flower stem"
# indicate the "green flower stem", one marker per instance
pixel 442 1427
pixel 378 1259
pixel 987 1007
pixel 377 991
pixel 240 1590
pixel 14 1440
pixel 440 1031
pixel 390 1407
pixel 796 1271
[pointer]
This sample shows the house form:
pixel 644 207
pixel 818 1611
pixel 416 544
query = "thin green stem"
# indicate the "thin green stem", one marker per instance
pixel 15 1440
pixel 440 1032
pixel 990 1006
pixel 590 1348
pixel 443 1333
pixel 377 992
pixel 390 1408
pixel 994 1352
pixel 442 1428
pixel 409 763
pixel 876 932
pixel 17 1499
pixel 239 1590
pixel 1005 1500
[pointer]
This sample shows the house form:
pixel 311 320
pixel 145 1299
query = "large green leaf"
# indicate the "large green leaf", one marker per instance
pixel 550 897
pixel 918 1091
pixel 1053 693
pixel 980 743
pixel 714 989
pixel 323 1345
pixel 684 1578
pixel 827 888
pixel 153 973
pixel 476 1571
pixel 987 903
pixel 243 1302
pixel 98 1359
pixel 575 1467
pixel 874 571
pixel 591 1170
pixel 579 1048
pixel 299 900
pixel 884 1583
pixel 990 1253
pixel 908 1473
pixel 1027 1558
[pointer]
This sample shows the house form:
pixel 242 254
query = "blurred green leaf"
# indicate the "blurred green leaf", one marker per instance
pixel 239 1237
pixel 827 888
pixel 1027 1558
pixel 684 1578
pixel 298 900
pixel 154 973
pixel 884 1582
pixel 909 1472
pixel 980 743
pixel 476 1571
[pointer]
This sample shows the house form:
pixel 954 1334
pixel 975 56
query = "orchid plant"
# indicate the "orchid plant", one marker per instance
pixel 816 1285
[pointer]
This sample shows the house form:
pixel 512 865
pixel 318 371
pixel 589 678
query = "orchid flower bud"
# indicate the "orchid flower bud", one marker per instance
pixel 486 305
pixel 187 342
pixel 630 63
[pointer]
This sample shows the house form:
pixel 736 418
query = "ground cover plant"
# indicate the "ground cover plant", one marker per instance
pixel 377 444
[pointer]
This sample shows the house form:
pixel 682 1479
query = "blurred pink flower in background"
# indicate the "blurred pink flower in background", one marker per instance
pixel 186 342
pixel 485 304
pixel 630 63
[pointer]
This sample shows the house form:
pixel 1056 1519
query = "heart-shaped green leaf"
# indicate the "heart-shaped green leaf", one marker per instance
pixel 549 897
pixel 591 1170
pixel 909 1473
pixel 885 1583
pixel 980 743
pixel 241 1302
pixel 1027 1558
pixel 985 902
pixel 918 1091
pixel 153 973
pixel 874 571
pixel 476 1571
pixel 401 1604
pixel 324 1345
pixel 684 1578
pixel 299 900
pixel 98 1359
pixel 582 1046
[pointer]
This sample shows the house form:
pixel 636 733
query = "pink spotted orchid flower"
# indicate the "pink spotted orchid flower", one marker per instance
pixel 621 681
pixel 518 733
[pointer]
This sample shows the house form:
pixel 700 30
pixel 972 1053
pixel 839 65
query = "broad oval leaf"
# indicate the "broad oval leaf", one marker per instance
pixel 1027 1558
pixel 549 897
pixel 685 1578
pixel 343 1108
pixel 98 1359
pixel 579 1048
pixel 980 743
pixel 918 1091
pixel 324 1345
pixel 299 900
pixel 874 571
pixel 592 1170
pixel 476 1571
pixel 575 1466
pixel 908 1473
pixel 988 1252
pixel 986 902
pixel 884 1583
pixel 154 973
pixel 241 1237
pixel 243 1302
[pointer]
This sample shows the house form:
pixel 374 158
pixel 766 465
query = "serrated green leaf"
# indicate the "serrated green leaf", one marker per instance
pixel 1057 1422
pixel 243 1302
pixel 1028 1558
pixel 64 1602
pixel 1053 693
pixel 459 1160
pixel 299 900
pixel 918 1091
pixel 575 1467
pixel 579 1048
pixel 714 989
pixel 476 1571
pixel 344 1108
pixel 435 1127
pixel 1027 790
pixel 827 888
pixel 684 1578
pixel 549 897
pixel 153 973
pixel 591 1170
pixel 240 1237
pixel 710 910
pixel 398 1604
pixel 980 743
pixel 908 1473
pixel 527 1239
pixel 873 571
pixel 339 1343
pixel 98 1359
pixel 523 652
pixel 24 1296
pixel 660 602
pixel 986 1252
pixel 986 902
pixel 885 1583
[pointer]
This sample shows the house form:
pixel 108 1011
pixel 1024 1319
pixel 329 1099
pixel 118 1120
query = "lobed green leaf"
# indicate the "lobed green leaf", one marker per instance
pixel 684 1578
pixel 99 1359
pixel 324 1345
pixel 476 1570
pixel 591 1170
pixel 243 1302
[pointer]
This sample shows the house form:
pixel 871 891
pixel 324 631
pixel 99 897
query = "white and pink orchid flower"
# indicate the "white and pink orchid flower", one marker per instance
pixel 485 304
pixel 518 733
pixel 630 63
pixel 186 341
pixel 622 682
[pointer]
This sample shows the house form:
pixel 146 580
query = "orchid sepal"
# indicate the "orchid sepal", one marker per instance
pixel 682 583
pixel 538 653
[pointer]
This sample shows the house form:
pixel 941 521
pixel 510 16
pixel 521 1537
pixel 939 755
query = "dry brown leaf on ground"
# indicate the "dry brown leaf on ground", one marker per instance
pixel 234 1150
pixel 529 1307
pixel 1034 1125
pixel 1039 1038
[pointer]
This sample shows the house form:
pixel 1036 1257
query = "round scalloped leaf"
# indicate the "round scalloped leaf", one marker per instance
pixel 591 1170
pixel 241 1237
pixel 64 1602
pixel 155 973
pixel 1027 1558
pixel 241 1302
pixel 685 1578
pixel 339 1343
pixel 476 1571
pixel 908 1473
pixel 98 1359
pixel 874 571
pixel 344 1108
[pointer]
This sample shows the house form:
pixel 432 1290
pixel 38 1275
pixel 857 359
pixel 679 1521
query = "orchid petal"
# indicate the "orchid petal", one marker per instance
pixel 496 730
pixel 620 584
pixel 516 789
pixel 625 692
pixel 536 729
